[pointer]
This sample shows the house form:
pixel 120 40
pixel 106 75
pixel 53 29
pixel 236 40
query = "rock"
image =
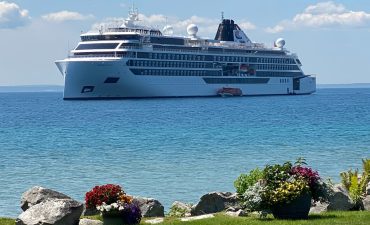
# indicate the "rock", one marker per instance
pixel 238 213
pixel 52 212
pixel 368 189
pixel 155 221
pixel 340 199
pixel 90 212
pixel 215 202
pixel 179 209
pixel 366 203
pixel 37 194
pixel 202 217
pixel 231 209
pixel 149 207
pixel 319 208
pixel 90 222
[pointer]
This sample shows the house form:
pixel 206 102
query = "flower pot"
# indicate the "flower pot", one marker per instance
pixel 113 220
pixel 296 209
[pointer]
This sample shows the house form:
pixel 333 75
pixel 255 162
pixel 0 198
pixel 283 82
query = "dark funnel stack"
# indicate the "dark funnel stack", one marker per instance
pixel 225 30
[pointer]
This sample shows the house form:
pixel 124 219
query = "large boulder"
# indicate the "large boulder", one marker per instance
pixel 340 200
pixel 52 212
pixel 149 207
pixel 37 195
pixel 90 222
pixel 366 203
pixel 215 202
pixel 319 207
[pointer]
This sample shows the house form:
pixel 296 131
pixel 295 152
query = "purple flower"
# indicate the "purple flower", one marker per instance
pixel 131 214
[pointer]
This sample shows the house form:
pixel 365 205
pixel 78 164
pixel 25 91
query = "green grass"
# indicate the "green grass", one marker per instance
pixel 6 221
pixel 336 218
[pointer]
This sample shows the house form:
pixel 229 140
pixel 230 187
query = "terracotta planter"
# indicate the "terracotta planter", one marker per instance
pixel 113 220
pixel 297 209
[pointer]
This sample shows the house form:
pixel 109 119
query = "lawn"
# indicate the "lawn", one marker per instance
pixel 357 218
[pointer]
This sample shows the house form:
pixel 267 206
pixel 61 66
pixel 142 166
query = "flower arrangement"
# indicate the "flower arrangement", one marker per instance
pixel 282 184
pixel 111 201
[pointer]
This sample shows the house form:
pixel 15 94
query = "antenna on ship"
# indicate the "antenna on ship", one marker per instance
pixel 222 16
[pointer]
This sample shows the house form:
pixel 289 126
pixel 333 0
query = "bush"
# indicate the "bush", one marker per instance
pixel 356 183
pixel 112 201
pixel 279 184
pixel 245 181
pixel 102 194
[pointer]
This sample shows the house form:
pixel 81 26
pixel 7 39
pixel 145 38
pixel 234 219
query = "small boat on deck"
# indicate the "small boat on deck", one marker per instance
pixel 229 92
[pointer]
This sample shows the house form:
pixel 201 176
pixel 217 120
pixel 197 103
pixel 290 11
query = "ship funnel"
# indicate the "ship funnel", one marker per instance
pixel 228 30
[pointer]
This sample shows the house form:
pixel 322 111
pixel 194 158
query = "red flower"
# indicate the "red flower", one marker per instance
pixel 106 193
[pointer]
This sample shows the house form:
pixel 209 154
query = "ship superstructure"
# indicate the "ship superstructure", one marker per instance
pixel 132 61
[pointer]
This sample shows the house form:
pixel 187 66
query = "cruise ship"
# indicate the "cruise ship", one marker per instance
pixel 134 61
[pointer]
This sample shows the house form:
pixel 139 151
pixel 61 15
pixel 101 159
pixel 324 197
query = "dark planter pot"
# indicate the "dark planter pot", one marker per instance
pixel 297 209
pixel 113 220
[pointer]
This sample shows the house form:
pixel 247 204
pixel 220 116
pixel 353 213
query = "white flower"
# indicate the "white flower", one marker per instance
pixel 114 205
pixel 108 208
pixel 121 208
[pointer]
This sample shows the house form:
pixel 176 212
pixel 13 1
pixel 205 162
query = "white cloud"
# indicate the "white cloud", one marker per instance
pixel 207 26
pixel 63 16
pixel 324 15
pixel 245 25
pixel 12 16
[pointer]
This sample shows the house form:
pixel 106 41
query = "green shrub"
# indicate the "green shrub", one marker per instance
pixel 244 181
pixel 356 183
pixel 176 211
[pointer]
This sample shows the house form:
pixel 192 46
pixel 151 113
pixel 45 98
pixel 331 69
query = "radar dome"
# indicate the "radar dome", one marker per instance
pixel 192 30
pixel 168 30
pixel 280 43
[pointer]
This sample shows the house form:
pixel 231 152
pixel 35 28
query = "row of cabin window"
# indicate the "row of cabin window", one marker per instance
pixel 177 57
pixel 278 74
pixel 145 63
pixel 188 57
pixel 177 72
pixel 275 67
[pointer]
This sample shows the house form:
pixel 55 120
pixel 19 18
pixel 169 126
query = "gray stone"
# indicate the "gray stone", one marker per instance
pixel 231 209
pixel 149 207
pixel 154 221
pixel 215 202
pixel 180 209
pixel 37 195
pixel 202 217
pixel 90 212
pixel 340 199
pixel 366 203
pixel 319 208
pixel 90 222
pixel 52 212
pixel 238 213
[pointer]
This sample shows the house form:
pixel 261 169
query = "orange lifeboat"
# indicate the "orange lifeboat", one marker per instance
pixel 229 92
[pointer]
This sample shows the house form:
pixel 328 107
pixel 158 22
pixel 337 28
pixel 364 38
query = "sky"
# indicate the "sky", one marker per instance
pixel 332 38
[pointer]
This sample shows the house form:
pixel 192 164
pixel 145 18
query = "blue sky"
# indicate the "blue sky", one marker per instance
pixel 330 37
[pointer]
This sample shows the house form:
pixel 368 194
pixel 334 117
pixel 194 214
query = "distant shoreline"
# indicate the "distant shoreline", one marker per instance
pixel 59 88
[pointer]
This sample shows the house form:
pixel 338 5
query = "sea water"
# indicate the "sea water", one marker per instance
pixel 172 149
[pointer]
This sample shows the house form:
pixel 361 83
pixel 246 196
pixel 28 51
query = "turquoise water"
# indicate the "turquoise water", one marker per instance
pixel 172 149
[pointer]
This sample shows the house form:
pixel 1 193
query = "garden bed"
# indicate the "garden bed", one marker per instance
pixel 357 218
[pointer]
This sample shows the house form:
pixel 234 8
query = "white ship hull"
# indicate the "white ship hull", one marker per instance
pixel 85 79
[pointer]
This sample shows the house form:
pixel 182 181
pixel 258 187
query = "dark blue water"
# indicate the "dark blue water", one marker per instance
pixel 172 149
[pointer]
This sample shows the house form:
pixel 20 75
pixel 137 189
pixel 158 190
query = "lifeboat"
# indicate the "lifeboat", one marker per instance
pixel 229 92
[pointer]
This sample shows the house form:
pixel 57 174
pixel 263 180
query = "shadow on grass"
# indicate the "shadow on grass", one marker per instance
pixel 323 216
pixel 310 217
